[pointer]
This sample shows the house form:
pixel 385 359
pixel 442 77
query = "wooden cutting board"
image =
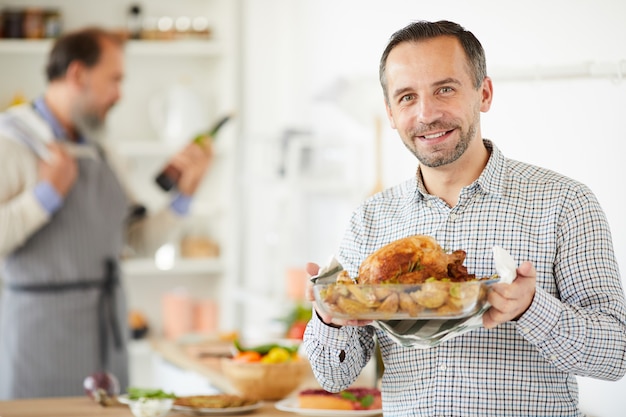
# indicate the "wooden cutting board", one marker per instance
pixel 85 407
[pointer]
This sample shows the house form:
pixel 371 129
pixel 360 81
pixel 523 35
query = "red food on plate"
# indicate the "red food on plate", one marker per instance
pixel 349 399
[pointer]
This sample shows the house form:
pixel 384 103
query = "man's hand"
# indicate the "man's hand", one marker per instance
pixel 192 162
pixel 60 169
pixel 509 301
pixel 312 269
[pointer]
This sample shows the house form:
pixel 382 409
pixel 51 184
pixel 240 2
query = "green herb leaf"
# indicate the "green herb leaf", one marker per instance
pixel 367 400
pixel 348 396
pixel 136 393
pixel 263 349
pixel 415 266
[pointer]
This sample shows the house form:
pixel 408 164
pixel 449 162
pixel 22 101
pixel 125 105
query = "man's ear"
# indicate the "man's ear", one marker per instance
pixel 487 95
pixel 76 73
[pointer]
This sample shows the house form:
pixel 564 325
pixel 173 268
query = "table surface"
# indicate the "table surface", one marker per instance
pixel 85 407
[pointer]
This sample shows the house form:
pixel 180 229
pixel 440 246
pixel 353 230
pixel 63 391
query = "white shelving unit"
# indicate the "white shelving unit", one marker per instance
pixel 164 48
pixel 25 47
pixel 148 267
pixel 210 67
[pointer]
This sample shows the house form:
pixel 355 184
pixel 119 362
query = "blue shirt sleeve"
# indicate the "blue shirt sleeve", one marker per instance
pixel 180 204
pixel 49 198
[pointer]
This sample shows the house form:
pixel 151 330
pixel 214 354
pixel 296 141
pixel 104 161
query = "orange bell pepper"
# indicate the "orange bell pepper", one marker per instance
pixel 247 356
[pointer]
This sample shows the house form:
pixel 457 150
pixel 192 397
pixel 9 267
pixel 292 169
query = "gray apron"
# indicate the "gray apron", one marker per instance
pixel 63 310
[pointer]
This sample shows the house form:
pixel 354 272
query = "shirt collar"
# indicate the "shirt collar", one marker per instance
pixel 59 132
pixel 491 180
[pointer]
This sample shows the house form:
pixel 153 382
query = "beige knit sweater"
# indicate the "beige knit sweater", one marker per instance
pixel 21 213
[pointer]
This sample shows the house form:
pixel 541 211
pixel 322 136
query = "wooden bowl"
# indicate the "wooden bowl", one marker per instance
pixel 266 381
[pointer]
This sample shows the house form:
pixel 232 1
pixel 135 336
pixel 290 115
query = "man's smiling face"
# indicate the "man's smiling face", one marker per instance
pixel 432 101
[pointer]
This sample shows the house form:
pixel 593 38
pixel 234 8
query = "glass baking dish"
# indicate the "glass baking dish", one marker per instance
pixel 429 300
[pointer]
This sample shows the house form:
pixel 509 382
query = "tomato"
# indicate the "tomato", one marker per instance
pixel 296 331
pixel 247 356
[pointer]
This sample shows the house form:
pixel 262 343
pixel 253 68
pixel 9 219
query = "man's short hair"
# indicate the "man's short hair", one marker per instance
pixel 84 45
pixel 423 30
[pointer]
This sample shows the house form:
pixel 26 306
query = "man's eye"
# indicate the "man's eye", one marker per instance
pixel 446 90
pixel 406 98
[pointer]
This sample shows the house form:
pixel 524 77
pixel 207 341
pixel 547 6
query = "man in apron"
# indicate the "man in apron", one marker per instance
pixel 65 217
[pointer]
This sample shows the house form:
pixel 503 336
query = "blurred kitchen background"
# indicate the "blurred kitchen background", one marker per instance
pixel 310 139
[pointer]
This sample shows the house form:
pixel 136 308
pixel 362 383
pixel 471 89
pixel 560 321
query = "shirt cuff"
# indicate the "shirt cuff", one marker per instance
pixel 48 197
pixel 541 317
pixel 332 337
pixel 180 204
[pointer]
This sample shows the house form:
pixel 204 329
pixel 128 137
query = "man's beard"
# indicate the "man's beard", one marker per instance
pixel 88 124
pixel 434 161
pixel 443 158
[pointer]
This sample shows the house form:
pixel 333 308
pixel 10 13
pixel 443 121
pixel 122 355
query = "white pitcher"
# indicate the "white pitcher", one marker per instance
pixel 178 113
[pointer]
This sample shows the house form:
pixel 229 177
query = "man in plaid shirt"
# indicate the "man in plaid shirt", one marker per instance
pixel 565 313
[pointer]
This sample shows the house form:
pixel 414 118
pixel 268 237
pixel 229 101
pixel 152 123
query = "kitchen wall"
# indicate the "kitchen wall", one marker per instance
pixel 559 72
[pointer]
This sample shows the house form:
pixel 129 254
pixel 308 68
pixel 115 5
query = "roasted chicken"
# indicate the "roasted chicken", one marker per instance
pixel 412 260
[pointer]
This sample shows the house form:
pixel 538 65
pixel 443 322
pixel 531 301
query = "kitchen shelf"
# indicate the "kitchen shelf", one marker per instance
pixel 147 266
pixel 25 46
pixel 200 48
pixel 143 148
pixel 191 48
pixel 147 148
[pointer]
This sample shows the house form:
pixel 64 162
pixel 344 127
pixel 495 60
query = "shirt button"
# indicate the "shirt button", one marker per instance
pixel 429 204
pixel 553 357
pixel 453 216
pixel 525 330
pixel 443 367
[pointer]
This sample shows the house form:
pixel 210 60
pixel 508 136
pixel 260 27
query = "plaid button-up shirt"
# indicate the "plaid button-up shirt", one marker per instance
pixel 576 324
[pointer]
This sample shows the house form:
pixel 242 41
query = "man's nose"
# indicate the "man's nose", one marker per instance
pixel 428 109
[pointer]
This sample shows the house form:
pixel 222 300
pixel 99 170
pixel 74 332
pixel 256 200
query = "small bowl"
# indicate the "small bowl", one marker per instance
pixel 150 407
pixel 266 381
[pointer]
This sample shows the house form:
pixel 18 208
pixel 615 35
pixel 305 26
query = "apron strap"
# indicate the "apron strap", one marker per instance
pixel 106 304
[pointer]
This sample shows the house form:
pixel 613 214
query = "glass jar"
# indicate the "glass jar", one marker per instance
pixel 52 23
pixel 134 22
pixel 33 23
pixel 12 20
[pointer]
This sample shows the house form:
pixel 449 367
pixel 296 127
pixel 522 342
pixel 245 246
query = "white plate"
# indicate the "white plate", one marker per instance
pixel 123 399
pixel 205 411
pixel 217 411
pixel 291 405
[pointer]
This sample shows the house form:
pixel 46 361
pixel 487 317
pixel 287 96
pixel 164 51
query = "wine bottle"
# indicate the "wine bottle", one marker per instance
pixel 170 175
